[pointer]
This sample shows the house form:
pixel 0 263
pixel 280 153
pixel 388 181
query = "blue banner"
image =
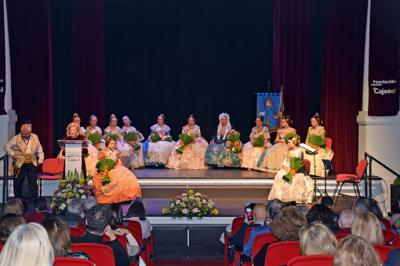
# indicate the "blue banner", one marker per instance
pixel 268 105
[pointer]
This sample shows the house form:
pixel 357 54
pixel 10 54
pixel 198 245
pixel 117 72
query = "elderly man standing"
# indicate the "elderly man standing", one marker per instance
pixel 27 153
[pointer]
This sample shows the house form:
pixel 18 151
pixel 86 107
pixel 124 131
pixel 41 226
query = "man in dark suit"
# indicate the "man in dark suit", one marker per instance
pixel 97 225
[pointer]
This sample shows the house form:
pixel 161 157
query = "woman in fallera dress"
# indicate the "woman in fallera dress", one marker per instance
pixel 190 156
pixel 77 120
pixel 220 151
pixel 255 151
pixel 113 128
pixel 290 182
pixel 121 184
pixel 92 128
pixel 276 153
pixel 135 146
pixel 158 147
pixel 316 139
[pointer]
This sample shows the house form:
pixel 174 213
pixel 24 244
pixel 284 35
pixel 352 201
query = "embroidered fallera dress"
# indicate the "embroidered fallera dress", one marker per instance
pixel 255 157
pixel 157 153
pixel 276 153
pixel 136 156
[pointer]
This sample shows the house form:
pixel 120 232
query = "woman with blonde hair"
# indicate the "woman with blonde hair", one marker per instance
pixel 367 226
pixel 317 239
pixel 356 251
pixel 27 245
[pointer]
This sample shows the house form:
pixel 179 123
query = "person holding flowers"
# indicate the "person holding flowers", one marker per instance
pixel 114 183
pixel 276 153
pixel 316 139
pixel 225 149
pixel 113 127
pixel 133 138
pixel 158 147
pixel 290 182
pixel 254 151
pixel 92 128
pixel 190 150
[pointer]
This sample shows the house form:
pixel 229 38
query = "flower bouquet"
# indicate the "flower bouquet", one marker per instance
pixel 317 141
pixel 103 166
pixel 185 139
pixel 259 141
pixel 95 139
pixel 296 166
pixel 190 204
pixel 131 138
pixel 234 138
pixel 69 189
pixel 155 137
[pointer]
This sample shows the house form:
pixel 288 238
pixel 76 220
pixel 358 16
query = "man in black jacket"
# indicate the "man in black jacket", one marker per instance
pixel 97 225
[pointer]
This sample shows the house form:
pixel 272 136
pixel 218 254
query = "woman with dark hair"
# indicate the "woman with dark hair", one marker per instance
pixel 316 139
pixel 285 227
pixel 137 213
pixel 192 155
pixel 325 215
pixel 7 225
pixel 254 151
pixel 291 183
pixel 276 153
pixel 116 215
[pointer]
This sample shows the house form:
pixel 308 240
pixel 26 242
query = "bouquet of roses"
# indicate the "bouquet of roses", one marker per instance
pixel 190 204
pixel 131 138
pixel 234 138
pixel 296 166
pixel 95 139
pixel 185 139
pixel 259 141
pixel 155 137
pixel 69 189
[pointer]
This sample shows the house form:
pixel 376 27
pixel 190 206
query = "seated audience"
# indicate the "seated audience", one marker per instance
pixel 88 203
pixel 285 227
pixel 393 258
pixel 323 214
pixel 28 245
pixel 74 214
pixel 367 226
pixel 260 226
pixel 274 207
pixel 346 219
pixel 355 251
pixel 8 224
pixel 137 213
pixel 303 208
pixel 327 201
pixel 363 204
pixel 14 206
pixel 317 239
pixel 39 212
pixel 238 238
pixel 59 235
pixel 97 225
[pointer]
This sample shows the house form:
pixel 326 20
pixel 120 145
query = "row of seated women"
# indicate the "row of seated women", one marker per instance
pixel 192 151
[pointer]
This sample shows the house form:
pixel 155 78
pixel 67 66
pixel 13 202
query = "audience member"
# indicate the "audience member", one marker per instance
pixel 88 203
pixel 117 217
pixel 28 245
pixel 323 214
pixel 393 258
pixel 74 214
pixel 238 238
pixel 285 227
pixel 304 209
pixel 59 235
pixel 8 224
pixel 274 207
pixel 317 239
pixel 260 227
pixel 327 201
pixel 346 219
pixel 14 206
pixel 97 225
pixel 137 212
pixel 355 251
pixel 367 226
pixel 39 212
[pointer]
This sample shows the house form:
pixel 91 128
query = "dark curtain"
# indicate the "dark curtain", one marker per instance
pixel 292 43
pixel 3 63
pixel 30 49
pixel 180 57
pixel 342 78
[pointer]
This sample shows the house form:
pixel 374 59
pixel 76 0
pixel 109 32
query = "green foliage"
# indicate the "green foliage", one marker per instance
pixel 296 166
pixel 259 141
pixel 105 164
pixel 186 138
pixel 317 140
pixel 95 138
pixel 130 137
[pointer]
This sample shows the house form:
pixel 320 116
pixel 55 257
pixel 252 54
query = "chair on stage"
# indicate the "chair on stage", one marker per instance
pixel 101 255
pixel 383 251
pixel 280 253
pixel 328 143
pixel 52 169
pixel 60 261
pixel 260 241
pixel 354 179
pixel 236 223
pixel 312 260
pixel 307 163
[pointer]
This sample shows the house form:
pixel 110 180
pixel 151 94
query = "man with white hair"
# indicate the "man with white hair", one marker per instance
pixel 27 154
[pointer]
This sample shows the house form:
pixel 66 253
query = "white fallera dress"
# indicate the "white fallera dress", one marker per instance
pixel 300 189
pixel 136 156
pixel 193 154
pixel 255 157
pixel 157 153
